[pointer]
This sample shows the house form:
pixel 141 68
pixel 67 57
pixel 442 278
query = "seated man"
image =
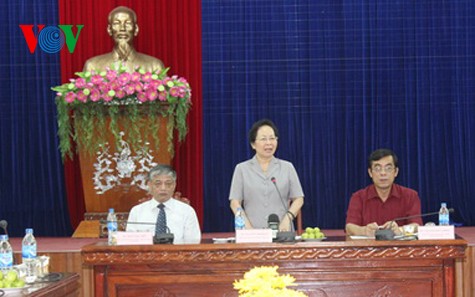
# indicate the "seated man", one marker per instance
pixel 376 206
pixel 180 218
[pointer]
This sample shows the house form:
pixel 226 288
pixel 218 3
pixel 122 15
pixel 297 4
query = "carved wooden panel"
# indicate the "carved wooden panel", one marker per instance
pixel 340 268
pixel 229 252
pixel 338 282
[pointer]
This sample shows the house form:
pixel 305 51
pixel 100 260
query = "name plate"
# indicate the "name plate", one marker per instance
pixel 436 232
pixel 254 235
pixel 134 238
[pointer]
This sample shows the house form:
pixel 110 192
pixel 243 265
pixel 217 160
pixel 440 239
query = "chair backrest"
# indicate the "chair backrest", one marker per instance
pixel 102 218
pixel 299 223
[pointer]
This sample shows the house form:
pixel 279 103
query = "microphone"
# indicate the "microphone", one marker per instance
pixel 284 236
pixel 388 234
pixel 164 238
pixel 3 225
pixel 273 224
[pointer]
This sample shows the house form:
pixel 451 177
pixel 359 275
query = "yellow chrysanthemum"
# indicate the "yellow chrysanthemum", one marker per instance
pixel 265 281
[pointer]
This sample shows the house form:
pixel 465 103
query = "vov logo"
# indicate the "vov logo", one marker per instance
pixel 51 38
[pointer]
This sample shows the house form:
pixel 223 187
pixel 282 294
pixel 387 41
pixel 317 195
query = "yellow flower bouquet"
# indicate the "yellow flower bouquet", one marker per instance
pixel 265 281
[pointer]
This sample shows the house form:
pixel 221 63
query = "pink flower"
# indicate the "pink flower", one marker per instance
pixel 142 97
pixel 138 87
pixel 124 78
pixel 183 81
pixel 129 89
pixel 147 77
pixel 96 79
pixel 181 91
pixel 104 88
pixel 70 97
pixel 175 92
pixel 106 97
pixel 81 96
pixel 95 95
pixel 153 84
pixel 162 96
pixel 114 85
pixel 151 94
pixel 111 75
pixel 120 93
pixel 135 77
pixel 80 83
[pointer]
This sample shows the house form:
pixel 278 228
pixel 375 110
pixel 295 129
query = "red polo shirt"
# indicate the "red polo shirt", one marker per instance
pixel 366 207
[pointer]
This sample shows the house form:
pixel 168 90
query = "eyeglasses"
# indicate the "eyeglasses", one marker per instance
pixel 168 183
pixel 379 169
pixel 264 139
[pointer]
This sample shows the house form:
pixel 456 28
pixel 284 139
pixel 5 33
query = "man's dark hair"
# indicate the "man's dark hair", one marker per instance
pixel 379 154
pixel 257 125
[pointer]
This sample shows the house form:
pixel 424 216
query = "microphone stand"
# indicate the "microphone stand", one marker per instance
pixel 284 236
pixel 388 234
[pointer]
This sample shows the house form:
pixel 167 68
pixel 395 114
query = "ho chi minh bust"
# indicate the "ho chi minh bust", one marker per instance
pixel 123 28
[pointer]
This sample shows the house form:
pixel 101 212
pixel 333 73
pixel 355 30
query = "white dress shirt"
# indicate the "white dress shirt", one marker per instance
pixel 181 220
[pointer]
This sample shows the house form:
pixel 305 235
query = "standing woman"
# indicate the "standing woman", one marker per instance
pixel 266 185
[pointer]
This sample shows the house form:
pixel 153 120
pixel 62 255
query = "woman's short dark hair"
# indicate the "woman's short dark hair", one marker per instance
pixel 255 127
pixel 379 154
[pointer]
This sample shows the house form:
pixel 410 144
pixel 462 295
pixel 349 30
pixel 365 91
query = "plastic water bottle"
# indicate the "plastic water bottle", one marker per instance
pixel 239 223
pixel 6 254
pixel 28 253
pixel 443 215
pixel 112 227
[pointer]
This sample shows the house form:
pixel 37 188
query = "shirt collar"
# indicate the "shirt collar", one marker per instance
pixel 154 203
pixel 372 193
pixel 256 163
pixel 257 167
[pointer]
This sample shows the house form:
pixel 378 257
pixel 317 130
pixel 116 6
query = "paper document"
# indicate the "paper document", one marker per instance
pixel 361 237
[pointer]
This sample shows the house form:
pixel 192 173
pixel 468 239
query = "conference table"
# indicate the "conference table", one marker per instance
pixel 94 261
pixel 337 266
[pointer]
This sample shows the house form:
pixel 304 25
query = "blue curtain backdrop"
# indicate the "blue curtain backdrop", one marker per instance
pixel 340 79
pixel 31 186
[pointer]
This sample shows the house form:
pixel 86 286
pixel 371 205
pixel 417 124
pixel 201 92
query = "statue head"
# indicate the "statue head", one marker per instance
pixel 122 25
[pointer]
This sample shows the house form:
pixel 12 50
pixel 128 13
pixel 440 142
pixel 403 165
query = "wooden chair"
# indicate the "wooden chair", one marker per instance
pixel 299 223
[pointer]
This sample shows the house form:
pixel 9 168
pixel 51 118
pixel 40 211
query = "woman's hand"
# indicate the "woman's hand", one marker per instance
pixel 285 224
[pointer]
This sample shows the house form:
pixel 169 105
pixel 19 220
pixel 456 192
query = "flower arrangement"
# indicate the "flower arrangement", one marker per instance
pixel 265 281
pixel 115 99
